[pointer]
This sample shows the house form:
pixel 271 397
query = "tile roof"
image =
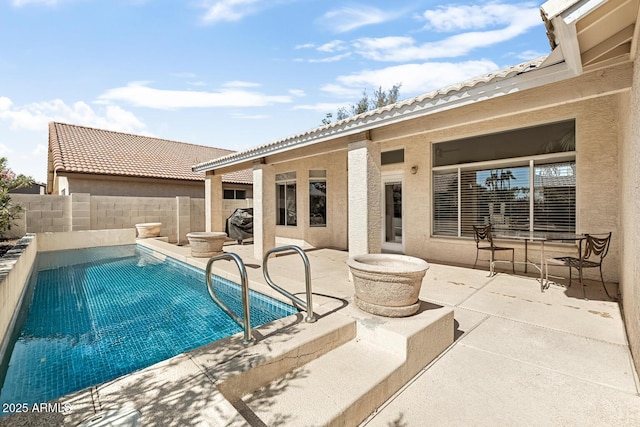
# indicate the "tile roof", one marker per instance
pixel 400 110
pixel 82 149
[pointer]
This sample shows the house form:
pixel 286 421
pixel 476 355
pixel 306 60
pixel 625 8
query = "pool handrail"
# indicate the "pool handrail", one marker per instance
pixel 308 305
pixel 245 322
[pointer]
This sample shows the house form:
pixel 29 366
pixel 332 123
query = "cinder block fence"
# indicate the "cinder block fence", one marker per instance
pixel 75 212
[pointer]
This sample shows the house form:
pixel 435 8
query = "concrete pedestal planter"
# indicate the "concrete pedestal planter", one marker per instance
pixel 387 284
pixel 205 244
pixel 148 229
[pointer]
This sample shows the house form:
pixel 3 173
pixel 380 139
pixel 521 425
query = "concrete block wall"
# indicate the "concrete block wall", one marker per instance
pixel 197 212
pixel 78 212
pixel 109 212
pixel 41 213
pixel 81 212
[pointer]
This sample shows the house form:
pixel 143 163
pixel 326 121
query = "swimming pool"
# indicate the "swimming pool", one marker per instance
pixel 97 314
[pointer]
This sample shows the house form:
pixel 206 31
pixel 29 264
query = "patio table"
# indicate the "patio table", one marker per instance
pixel 536 237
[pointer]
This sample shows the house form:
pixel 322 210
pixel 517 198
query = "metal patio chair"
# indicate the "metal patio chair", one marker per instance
pixel 484 242
pixel 595 250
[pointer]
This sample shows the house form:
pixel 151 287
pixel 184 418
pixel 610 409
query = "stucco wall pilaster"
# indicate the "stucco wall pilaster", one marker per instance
pixel 183 219
pixel 213 202
pixel 365 216
pixel 264 205
pixel 630 212
pixel 80 212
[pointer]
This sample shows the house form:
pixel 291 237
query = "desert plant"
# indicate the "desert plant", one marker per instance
pixel 9 211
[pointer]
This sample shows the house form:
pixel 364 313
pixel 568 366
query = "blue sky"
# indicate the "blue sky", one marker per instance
pixel 234 73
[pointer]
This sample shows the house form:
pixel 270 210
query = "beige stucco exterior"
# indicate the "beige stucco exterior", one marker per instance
pixel 107 185
pixel 629 211
pixel 335 233
pixel 596 101
pixel 604 108
pixel 591 77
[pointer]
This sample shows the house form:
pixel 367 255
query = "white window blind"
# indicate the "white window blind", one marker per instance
pixel 555 197
pixel 501 196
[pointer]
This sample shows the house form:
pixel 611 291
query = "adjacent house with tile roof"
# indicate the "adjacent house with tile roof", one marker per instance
pixel 107 163
pixel 550 144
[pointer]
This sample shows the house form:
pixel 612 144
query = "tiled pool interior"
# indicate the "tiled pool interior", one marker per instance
pixel 107 312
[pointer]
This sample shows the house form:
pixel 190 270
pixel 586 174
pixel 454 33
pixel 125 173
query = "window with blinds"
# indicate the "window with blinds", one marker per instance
pixel 555 197
pixel 533 191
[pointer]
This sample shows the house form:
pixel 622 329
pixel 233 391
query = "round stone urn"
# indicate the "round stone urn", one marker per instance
pixel 387 284
pixel 148 229
pixel 205 244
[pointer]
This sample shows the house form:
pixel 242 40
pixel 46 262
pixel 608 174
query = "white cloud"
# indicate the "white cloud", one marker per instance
pixel 321 107
pixel 341 91
pixel 5 103
pixel 333 46
pixel 414 78
pixel 36 116
pixel 231 10
pixel 140 95
pixel 334 58
pixel 297 92
pixel 349 18
pixel 5 151
pixel 40 150
pixel 473 17
pixel 305 46
pixel 404 49
pixel 529 54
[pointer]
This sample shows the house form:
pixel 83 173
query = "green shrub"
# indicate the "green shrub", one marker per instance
pixel 9 211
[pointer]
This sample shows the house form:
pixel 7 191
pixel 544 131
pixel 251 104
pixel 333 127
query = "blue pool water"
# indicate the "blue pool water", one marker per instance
pixel 110 311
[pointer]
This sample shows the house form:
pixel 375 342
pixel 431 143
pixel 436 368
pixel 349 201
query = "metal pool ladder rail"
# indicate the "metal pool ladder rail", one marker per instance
pixel 308 306
pixel 245 322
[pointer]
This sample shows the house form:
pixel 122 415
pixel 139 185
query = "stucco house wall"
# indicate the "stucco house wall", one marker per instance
pixel 630 211
pixel 335 233
pixel 590 77
pixel 597 163
pixel 106 185
pixel 597 177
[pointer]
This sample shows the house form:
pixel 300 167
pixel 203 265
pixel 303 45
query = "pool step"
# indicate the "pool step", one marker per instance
pixel 347 384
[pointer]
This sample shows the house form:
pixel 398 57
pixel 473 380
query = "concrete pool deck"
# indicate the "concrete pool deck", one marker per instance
pixel 520 357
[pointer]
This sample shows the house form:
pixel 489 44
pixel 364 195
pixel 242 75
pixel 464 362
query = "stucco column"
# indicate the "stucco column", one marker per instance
pixel 213 202
pixel 264 208
pixel 80 211
pixel 365 216
pixel 183 219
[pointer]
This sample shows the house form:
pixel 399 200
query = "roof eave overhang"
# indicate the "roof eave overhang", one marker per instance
pixel 549 74
pixel 560 18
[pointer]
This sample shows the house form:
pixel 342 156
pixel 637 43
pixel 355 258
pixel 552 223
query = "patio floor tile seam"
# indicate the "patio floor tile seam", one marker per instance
pixel 471 295
pixel 432 363
pixel 556 371
pixel 423 371
pixel 625 345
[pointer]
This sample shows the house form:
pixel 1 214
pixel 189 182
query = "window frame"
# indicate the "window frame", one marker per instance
pixel 320 176
pixel 286 180
pixel 527 161
pixel 235 194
